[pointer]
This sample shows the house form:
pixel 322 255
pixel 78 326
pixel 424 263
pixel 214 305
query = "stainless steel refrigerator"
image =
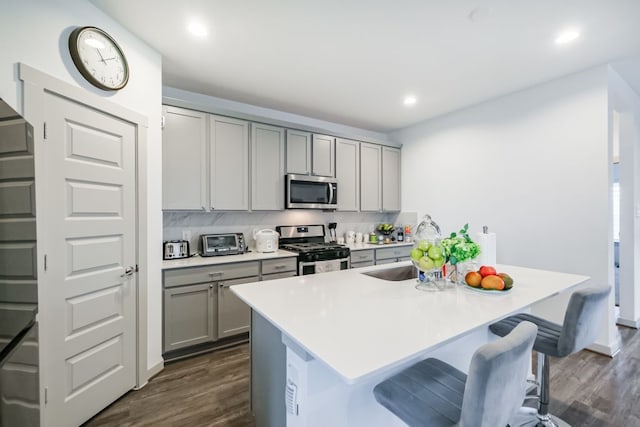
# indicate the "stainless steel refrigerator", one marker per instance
pixel 19 368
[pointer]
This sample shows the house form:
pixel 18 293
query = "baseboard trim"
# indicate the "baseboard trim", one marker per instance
pixel 607 350
pixel 635 324
pixel 152 372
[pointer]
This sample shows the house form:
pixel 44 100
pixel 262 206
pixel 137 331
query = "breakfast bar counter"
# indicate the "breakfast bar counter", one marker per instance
pixel 338 334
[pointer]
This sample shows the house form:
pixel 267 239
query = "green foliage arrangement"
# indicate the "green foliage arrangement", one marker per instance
pixel 459 247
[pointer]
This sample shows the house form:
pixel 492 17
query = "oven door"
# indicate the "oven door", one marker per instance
pixel 323 266
pixel 311 192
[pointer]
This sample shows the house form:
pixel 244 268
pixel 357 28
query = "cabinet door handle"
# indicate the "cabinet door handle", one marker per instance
pixel 216 273
pixel 279 267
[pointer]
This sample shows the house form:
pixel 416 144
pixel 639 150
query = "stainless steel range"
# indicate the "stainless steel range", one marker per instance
pixel 314 254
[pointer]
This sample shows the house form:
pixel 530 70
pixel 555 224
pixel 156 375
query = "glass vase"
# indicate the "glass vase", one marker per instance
pixel 457 272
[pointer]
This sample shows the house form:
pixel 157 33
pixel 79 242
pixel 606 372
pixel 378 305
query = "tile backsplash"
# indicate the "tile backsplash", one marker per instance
pixel 197 223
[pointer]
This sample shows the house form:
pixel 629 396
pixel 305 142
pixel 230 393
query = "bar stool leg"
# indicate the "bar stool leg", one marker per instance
pixel 529 417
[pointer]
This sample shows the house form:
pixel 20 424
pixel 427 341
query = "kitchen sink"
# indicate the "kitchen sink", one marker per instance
pixel 395 274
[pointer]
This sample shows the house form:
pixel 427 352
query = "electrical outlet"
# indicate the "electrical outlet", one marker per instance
pixel 186 235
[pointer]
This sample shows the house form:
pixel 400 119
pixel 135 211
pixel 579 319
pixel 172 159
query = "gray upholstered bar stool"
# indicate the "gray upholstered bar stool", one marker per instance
pixel 579 329
pixel 432 393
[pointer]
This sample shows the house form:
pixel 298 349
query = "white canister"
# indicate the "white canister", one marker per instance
pixel 359 237
pixel 350 236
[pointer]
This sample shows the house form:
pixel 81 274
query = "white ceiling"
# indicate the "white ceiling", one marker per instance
pixel 352 62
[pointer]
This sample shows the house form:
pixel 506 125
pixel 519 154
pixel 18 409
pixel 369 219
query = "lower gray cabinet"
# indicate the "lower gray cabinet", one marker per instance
pixel 362 258
pixel 188 315
pixel 234 316
pixel 392 254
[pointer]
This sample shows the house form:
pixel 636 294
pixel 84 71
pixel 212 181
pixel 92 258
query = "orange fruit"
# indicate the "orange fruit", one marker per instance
pixel 473 278
pixel 492 282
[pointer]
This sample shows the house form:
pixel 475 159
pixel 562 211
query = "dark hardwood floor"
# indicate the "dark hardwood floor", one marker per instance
pixel 207 390
pixel 587 389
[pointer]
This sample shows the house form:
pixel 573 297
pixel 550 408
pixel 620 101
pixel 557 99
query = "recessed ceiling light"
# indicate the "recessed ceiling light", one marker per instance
pixel 567 36
pixel 95 43
pixel 409 100
pixel 197 29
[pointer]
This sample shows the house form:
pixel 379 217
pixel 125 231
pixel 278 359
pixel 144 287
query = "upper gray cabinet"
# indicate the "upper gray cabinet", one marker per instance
pixel 370 177
pixel 298 152
pixel 348 174
pixel 310 154
pixel 229 163
pixel 323 155
pixel 184 159
pixel 390 179
pixel 267 167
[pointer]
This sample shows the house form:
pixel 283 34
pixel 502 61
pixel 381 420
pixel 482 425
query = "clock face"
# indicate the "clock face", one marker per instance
pixel 98 58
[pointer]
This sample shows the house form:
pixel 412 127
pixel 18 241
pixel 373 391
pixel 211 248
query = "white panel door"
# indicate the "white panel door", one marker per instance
pixel 91 221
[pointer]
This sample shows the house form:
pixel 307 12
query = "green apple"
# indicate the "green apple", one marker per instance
pixel 425 263
pixel 435 252
pixel 439 262
pixel 423 245
pixel 416 254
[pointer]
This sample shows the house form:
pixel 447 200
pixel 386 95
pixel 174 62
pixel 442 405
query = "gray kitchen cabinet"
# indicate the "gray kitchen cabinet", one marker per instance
pixel 275 276
pixel 310 154
pixel 279 268
pixel 392 254
pixel 348 174
pixel 370 177
pixel 234 316
pixel 228 163
pixel 189 316
pixel 298 152
pixel 184 159
pixel 390 179
pixel 279 265
pixel 362 258
pixel 323 155
pixel 267 167
pixel 199 308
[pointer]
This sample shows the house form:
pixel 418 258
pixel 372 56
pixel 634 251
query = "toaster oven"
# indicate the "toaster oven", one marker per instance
pixel 222 244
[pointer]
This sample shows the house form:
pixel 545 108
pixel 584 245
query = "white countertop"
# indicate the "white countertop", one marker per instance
pixel 197 261
pixel 359 325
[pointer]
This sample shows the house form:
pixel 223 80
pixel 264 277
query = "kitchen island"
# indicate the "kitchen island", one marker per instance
pixel 328 339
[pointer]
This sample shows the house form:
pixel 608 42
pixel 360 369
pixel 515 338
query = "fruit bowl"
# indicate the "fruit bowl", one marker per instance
pixel 488 291
pixel 487 279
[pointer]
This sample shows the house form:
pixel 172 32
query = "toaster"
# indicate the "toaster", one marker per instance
pixel 174 249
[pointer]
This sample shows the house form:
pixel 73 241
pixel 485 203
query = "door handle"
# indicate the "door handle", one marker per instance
pixel 129 271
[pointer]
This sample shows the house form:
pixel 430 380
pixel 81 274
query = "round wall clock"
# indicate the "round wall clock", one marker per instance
pixel 98 58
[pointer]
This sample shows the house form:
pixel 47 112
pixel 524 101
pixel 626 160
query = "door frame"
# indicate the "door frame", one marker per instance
pixel 36 85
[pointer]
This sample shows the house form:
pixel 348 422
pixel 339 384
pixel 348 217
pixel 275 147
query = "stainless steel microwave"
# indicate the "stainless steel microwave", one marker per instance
pixel 311 192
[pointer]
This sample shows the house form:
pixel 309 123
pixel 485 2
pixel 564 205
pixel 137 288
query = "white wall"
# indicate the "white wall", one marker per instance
pixel 534 167
pixel 35 32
